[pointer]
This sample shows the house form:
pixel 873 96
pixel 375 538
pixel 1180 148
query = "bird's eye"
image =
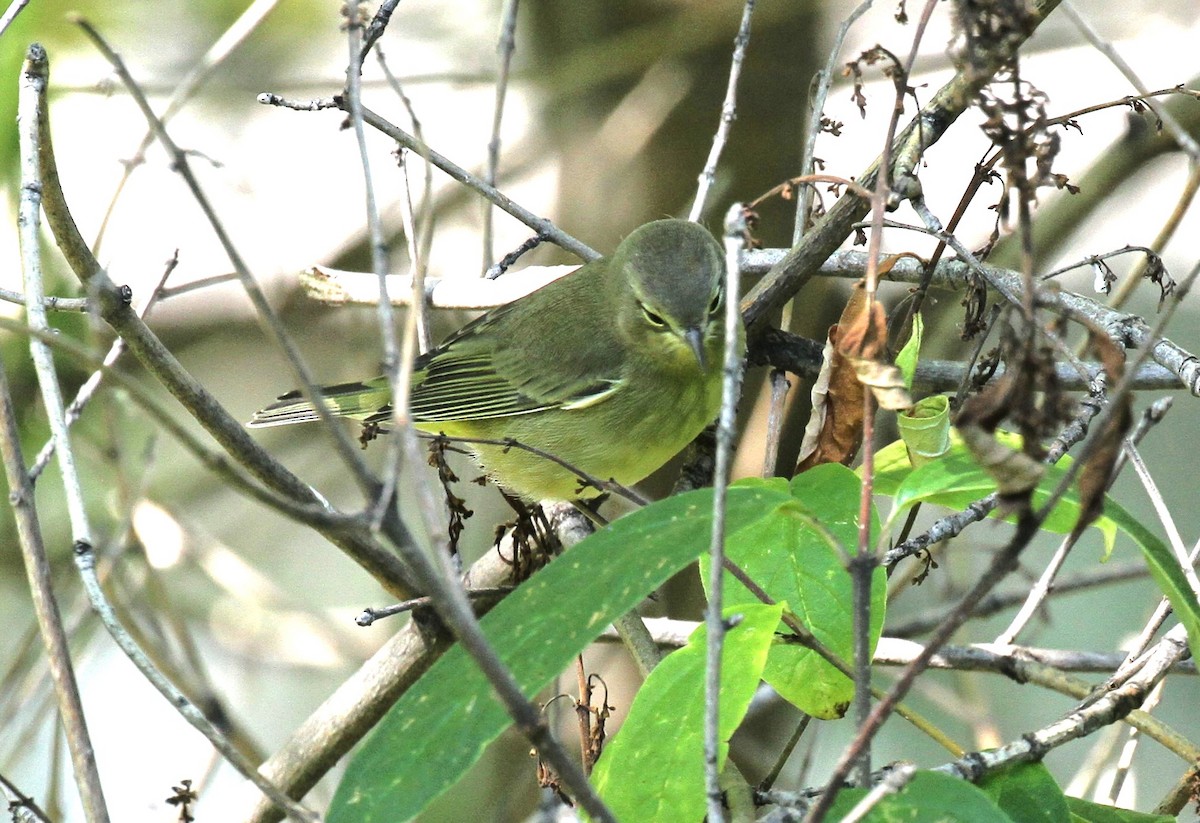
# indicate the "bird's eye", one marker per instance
pixel 715 305
pixel 653 319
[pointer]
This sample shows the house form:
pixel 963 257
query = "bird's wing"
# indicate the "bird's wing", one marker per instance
pixel 481 373
pixel 521 358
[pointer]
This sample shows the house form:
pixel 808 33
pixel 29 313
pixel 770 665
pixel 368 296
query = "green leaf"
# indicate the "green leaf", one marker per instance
pixel 955 480
pixel 1083 811
pixel 654 768
pixel 1027 793
pixel 906 360
pixel 441 726
pixel 792 559
pixel 930 797
pixel 1164 568
pixel 925 429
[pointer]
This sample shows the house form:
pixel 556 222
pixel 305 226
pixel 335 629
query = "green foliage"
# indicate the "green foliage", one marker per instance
pixel 906 360
pixel 421 747
pixel 798 557
pixel 925 429
pixel 793 539
pixel 956 480
pixel 654 769
pixel 1026 793
pixel 1083 811
pixel 929 798
pixel 441 725
pixel 1020 793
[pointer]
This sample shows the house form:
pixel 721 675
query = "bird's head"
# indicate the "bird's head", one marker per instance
pixel 671 275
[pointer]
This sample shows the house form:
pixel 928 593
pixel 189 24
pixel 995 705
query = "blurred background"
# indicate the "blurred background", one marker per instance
pixel 609 117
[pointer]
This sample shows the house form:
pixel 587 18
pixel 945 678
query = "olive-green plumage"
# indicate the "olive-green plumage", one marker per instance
pixel 613 369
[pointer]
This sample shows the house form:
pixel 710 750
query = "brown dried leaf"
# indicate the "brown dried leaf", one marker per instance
pixel 863 342
pixel 888 263
pixel 1016 474
pixel 1094 478
pixel 855 360
pixel 834 430
pixel 886 382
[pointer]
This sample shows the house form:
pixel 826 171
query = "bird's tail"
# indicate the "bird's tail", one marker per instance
pixel 360 400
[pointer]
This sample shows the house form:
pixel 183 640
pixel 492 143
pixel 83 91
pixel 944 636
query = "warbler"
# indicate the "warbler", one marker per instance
pixel 613 369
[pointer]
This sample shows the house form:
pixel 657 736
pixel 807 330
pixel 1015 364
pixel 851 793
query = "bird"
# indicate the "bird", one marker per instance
pixel 613 369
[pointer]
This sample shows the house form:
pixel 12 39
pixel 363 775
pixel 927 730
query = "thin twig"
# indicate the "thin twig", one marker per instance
pixel 1182 204
pixel 1039 592
pixel 1133 738
pixel 539 224
pixel 897 778
pixel 735 234
pixel 803 260
pixel 1174 538
pixel 92 384
pixel 50 302
pixel 505 48
pixel 1075 724
pixel 433 570
pixel 318 515
pixel 32 113
pixel 1003 562
pixel 378 26
pixel 1178 132
pixel 226 44
pixel 384 491
pixel 862 566
pixel 10 14
pixel 821 85
pixel 419 240
pixel 114 307
pixel 953 524
pixel 1046 581
pixel 891 651
pixel 22 801
pixel 85 561
pixel 33 88
pixel 1087 717
pixel 1106 575
pixel 356 706
pixel 728 115
pixel 266 315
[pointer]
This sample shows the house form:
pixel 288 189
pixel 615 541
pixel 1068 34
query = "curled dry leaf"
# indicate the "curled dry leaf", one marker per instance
pixel 1094 478
pixel 1016 473
pixel 855 360
pixel 834 430
pixel 862 340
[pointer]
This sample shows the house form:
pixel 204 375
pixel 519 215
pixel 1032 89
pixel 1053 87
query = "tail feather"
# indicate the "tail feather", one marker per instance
pixel 356 400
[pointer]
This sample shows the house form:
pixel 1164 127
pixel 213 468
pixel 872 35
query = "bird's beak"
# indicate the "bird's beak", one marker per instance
pixel 695 339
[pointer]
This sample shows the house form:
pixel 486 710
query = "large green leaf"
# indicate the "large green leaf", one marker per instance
pixel 796 553
pixel 955 480
pixel 441 726
pixel 929 797
pixel 1083 811
pixel 1027 793
pixel 654 768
